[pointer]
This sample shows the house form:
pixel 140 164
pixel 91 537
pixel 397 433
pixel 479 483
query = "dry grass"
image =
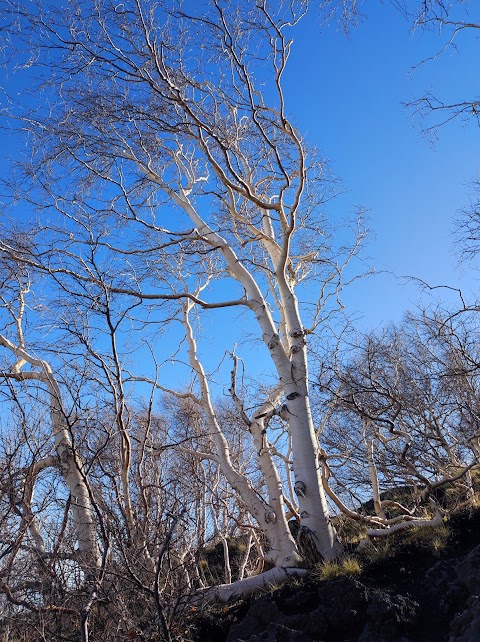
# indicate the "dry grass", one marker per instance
pixel 337 568
pixel 380 550
pixel 349 530
pixel 432 538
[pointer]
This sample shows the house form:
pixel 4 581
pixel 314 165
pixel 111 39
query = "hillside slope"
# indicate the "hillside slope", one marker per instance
pixel 424 587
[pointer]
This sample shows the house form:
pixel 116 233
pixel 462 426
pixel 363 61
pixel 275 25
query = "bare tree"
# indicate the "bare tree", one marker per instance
pixel 452 20
pixel 405 428
pixel 87 516
pixel 467 227
pixel 162 111
pixel 169 183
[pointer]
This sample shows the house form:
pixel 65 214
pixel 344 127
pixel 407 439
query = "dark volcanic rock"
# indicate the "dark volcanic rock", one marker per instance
pixel 264 620
pixel 466 626
pixel 277 633
pixel 443 589
pixel 340 610
pixel 468 571
pixel 412 596
pixel 390 617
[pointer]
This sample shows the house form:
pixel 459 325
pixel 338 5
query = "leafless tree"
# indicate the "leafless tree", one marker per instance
pixel 167 183
pixel 92 505
pixel 452 20
pixel 467 227
pixel 404 426
pixel 168 153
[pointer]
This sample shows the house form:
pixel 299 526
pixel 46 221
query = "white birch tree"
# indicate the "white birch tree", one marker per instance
pixel 169 182
pixel 27 367
pixel 165 109
pixel 404 427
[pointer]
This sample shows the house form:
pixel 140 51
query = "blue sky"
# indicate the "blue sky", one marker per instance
pixel 346 95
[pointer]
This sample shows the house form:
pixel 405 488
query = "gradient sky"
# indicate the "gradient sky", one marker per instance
pixel 346 95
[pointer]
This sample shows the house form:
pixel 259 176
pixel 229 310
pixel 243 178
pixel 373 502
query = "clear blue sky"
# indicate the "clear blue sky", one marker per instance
pixel 346 96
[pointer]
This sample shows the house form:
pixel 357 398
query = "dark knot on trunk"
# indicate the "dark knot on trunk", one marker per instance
pixel 300 488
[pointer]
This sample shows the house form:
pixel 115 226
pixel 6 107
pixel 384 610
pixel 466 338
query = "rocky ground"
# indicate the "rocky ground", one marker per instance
pixel 420 588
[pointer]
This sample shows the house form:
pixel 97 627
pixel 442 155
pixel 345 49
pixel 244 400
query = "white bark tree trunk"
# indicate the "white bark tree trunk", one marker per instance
pixel 316 529
pixel 243 588
pixel 271 518
pixel 283 548
pixel 69 461
pixel 290 362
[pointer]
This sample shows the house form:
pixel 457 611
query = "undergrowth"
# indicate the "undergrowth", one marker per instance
pixel 429 538
pixel 337 568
